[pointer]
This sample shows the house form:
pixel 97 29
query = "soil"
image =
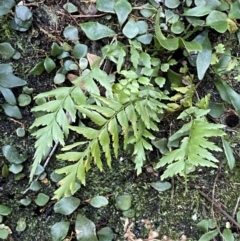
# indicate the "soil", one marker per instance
pixel 172 213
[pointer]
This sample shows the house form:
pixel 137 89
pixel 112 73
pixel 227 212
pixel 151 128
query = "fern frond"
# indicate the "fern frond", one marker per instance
pixel 54 124
pixel 195 149
pixel 113 118
pixel 68 183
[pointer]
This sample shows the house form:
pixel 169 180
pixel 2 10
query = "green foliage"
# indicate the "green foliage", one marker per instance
pixel 6 6
pixel 8 81
pixel 208 226
pixel 54 122
pixel 195 147
pixel 22 18
pixel 125 108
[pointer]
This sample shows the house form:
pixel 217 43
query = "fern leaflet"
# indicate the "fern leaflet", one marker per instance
pixel 195 147
pixel 54 124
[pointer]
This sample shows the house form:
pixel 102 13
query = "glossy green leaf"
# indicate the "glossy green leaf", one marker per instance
pixel 83 63
pixel 105 234
pixel 148 10
pixel 5 171
pixel 234 12
pixel 41 199
pixel 85 229
pixel 59 78
pixel 161 186
pixel 130 213
pixel 8 95
pixel 4 233
pixel 96 31
pixel 24 100
pixel 56 49
pixel 15 168
pixel 122 8
pixel 5 210
pixel 142 26
pixel 49 64
pixel 123 202
pixel 22 18
pixel 130 29
pixel 172 3
pixel 158 32
pixel 70 8
pixel 228 94
pixel 177 27
pixel 21 225
pixel 191 46
pixel 203 225
pixel 6 6
pixel 209 235
pixel 217 109
pixel 12 155
pixel 204 57
pixel 105 5
pixel 145 38
pixel 218 21
pixel 79 51
pixel 23 13
pixel 228 153
pixel 227 235
pixel 59 230
pixel 37 69
pixel 99 201
pixel 197 11
pixel 66 205
pixel 71 33
pixel 6 50
pixel 25 201
pixel 8 79
pixel 35 186
pixel 169 44
pixel 238 216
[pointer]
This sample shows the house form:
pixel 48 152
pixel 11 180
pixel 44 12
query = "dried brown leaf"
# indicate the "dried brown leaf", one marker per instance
pixel 72 77
pixel 152 235
pixel 92 58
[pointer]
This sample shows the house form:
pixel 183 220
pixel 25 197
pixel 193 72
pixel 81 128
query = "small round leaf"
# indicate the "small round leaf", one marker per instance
pixel 177 27
pixel 79 51
pixel 6 50
pixel 131 30
pixel 59 231
pixel 41 199
pixel 25 201
pixel 123 202
pixel 20 132
pixel 49 65
pixel 66 205
pixel 15 168
pixel 59 78
pixel 70 8
pixel 71 33
pixel 4 210
pixel 4 233
pixel 35 186
pixel 99 201
pixel 24 100
pixel 21 225
pixel 105 234
pixel 161 186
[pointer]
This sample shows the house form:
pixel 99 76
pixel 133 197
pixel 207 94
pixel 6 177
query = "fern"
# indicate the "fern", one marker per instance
pixel 130 116
pixel 195 147
pixel 54 124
